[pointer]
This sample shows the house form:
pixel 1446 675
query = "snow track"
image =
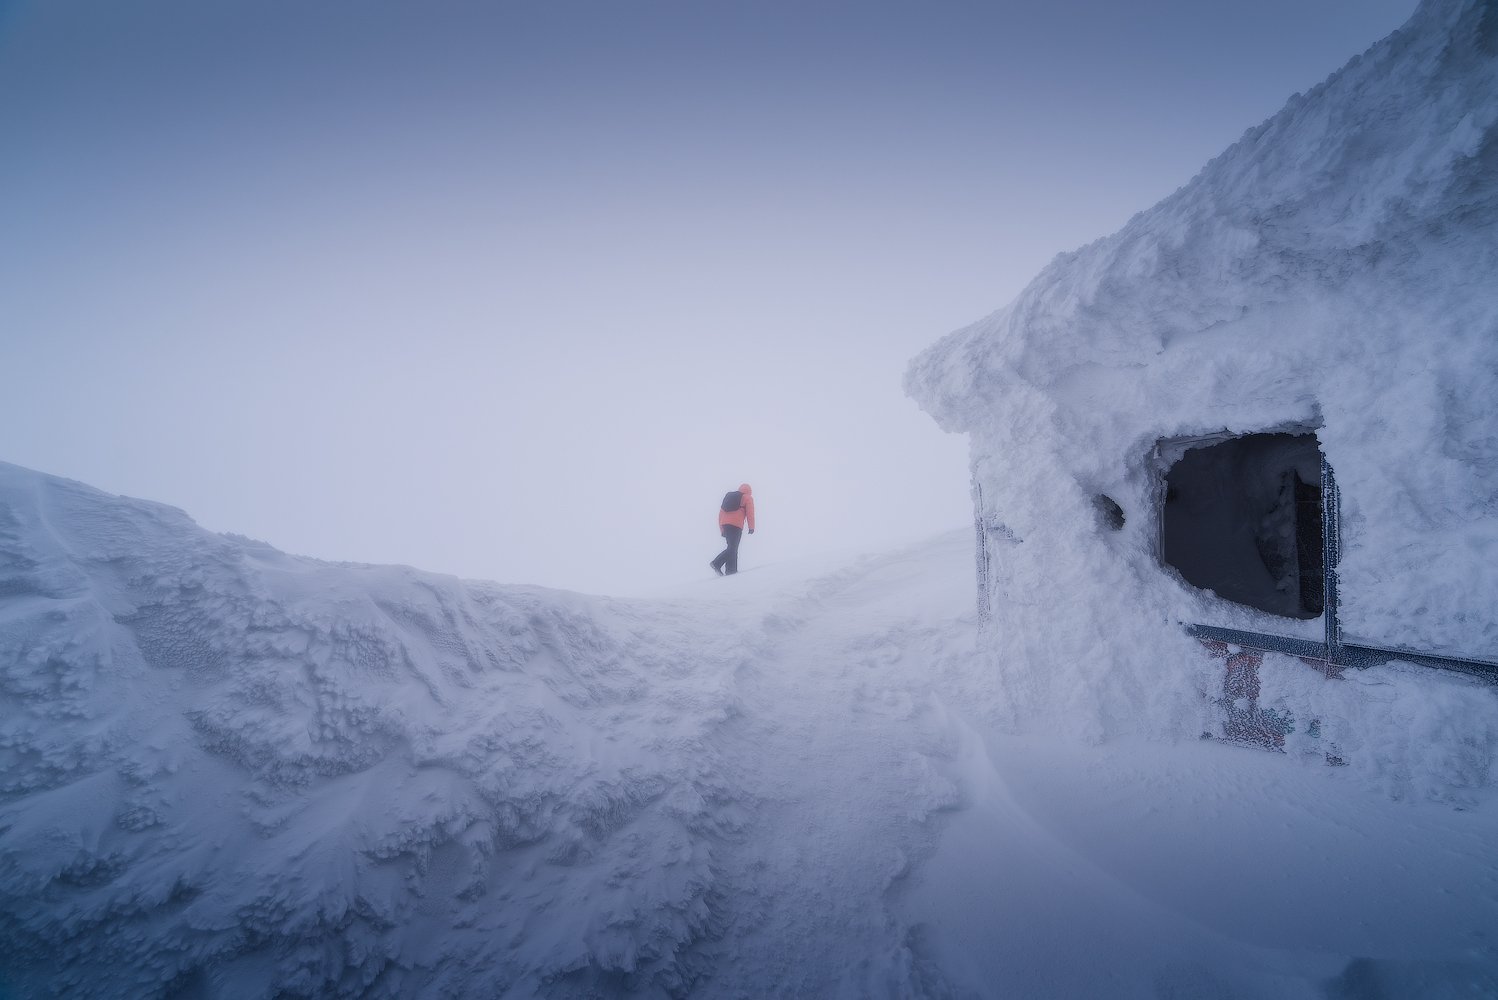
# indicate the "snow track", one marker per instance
pixel 841 744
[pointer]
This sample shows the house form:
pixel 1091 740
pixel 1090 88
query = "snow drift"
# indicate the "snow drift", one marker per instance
pixel 214 753
pixel 227 772
pixel 1331 275
pixel 230 772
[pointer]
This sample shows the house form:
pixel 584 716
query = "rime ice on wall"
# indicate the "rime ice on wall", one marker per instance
pixel 1330 272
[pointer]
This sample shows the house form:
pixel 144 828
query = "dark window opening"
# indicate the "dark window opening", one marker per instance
pixel 1243 518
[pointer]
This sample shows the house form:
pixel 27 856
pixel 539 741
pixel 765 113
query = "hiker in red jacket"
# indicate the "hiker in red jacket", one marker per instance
pixel 736 511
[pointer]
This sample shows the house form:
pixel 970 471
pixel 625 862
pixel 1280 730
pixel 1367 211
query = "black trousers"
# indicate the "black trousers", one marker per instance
pixel 728 559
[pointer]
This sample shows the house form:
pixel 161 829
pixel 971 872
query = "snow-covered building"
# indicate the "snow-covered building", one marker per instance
pixel 1155 420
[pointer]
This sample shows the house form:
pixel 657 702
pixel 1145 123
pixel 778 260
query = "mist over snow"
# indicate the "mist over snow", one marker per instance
pixel 231 772
pixel 515 291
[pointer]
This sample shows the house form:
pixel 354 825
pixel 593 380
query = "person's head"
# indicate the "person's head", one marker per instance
pixel 744 488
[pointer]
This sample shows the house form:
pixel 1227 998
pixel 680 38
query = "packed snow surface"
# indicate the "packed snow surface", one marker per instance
pixel 230 772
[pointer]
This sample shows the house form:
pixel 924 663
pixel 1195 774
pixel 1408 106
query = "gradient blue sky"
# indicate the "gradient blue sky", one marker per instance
pixel 518 290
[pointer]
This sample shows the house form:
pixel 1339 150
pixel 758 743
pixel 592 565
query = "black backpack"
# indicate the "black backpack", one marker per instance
pixel 732 501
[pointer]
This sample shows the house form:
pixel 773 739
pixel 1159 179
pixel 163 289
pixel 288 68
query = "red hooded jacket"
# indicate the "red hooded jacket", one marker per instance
pixel 744 514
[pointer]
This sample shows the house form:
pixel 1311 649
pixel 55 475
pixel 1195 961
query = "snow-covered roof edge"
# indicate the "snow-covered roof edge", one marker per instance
pixel 1305 196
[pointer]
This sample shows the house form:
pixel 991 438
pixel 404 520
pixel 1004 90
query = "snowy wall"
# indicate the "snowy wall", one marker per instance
pixel 1332 272
pixel 215 755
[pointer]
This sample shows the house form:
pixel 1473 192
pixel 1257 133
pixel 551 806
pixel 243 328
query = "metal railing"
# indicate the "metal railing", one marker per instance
pixel 1333 649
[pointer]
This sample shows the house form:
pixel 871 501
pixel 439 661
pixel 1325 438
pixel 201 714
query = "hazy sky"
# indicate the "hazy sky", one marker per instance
pixel 518 290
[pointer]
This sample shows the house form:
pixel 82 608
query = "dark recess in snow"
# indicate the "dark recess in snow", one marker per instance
pixel 1109 512
pixel 1242 518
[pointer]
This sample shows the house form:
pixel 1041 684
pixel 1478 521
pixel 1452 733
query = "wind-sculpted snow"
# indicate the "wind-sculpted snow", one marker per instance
pixel 230 772
pixel 226 772
pixel 216 755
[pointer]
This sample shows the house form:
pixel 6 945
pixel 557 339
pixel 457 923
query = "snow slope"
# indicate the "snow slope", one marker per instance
pixel 227 769
pixel 230 772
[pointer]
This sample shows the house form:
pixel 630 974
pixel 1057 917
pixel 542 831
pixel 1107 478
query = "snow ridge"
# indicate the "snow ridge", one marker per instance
pixel 230 772
pixel 217 754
